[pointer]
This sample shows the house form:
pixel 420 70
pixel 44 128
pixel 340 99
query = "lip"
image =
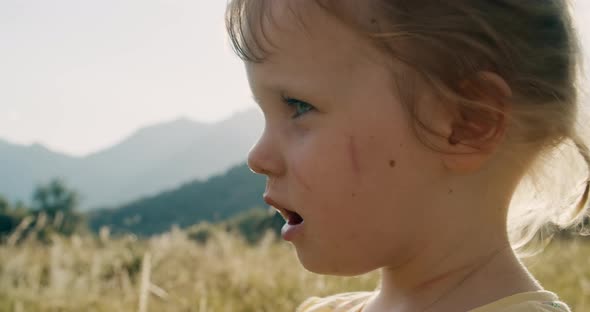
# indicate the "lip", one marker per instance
pixel 275 204
pixel 289 231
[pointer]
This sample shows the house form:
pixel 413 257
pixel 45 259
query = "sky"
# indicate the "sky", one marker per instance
pixel 78 76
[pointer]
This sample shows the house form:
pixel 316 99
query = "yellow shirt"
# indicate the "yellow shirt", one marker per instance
pixel 533 301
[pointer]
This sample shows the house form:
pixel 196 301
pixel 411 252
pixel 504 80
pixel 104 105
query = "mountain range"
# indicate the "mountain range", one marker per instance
pixel 216 199
pixel 151 160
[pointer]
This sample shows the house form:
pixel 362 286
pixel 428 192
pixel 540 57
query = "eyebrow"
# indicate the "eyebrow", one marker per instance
pixel 265 88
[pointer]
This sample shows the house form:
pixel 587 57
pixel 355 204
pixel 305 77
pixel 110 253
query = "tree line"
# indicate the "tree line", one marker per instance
pixel 53 209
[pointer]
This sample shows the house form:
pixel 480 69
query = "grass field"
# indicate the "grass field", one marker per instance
pixel 174 273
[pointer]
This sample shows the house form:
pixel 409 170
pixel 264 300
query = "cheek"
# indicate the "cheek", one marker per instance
pixel 341 174
pixel 299 172
pixel 329 165
pixel 384 174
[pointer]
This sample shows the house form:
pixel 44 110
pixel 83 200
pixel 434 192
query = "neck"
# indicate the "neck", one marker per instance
pixel 462 258
pixel 454 278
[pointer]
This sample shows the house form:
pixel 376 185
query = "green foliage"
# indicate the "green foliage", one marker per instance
pixel 4 205
pixel 215 200
pixel 10 217
pixel 7 224
pixel 255 223
pixel 54 211
pixel 55 197
pixel 58 203
pixel 252 225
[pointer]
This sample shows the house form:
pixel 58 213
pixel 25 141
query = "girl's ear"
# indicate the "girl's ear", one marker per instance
pixel 476 131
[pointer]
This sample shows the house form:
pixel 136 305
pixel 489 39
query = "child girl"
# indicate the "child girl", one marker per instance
pixel 398 132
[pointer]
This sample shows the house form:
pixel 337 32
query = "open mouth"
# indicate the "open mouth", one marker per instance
pixel 292 217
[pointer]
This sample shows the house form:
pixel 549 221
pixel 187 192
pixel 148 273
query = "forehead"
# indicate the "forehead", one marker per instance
pixel 303 35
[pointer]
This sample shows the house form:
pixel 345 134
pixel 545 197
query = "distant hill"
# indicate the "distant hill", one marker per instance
pixel 153 159
pixel 216 199
pixel 23 167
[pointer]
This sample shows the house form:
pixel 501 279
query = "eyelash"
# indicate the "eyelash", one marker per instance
pixel 294 102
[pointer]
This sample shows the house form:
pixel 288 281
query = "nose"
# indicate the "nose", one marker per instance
pixel 264 156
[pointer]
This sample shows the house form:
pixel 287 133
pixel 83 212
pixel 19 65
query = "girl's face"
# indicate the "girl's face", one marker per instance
pixel 338 147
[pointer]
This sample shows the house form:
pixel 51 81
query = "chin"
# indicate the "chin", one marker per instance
pixel 322 265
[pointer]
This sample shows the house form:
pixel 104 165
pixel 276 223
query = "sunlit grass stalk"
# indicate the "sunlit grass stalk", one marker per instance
pixel 225 273
pixel 145 283
pixel 16 235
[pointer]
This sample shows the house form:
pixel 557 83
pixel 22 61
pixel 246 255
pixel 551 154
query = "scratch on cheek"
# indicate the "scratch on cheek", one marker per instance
pixel 354 157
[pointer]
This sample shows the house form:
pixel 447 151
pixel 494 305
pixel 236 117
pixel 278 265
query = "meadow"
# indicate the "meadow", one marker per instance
pixel 175 272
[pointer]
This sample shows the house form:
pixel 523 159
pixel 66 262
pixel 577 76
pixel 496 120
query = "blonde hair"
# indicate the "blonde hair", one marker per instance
pixel 532 45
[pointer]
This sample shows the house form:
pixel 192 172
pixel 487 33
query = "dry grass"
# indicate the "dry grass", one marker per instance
pixel 225 274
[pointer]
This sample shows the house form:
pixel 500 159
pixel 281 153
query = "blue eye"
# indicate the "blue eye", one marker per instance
pixel 299 106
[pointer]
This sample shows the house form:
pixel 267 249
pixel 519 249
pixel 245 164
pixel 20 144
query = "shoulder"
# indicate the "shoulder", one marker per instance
pixel 344 302
pixel 549 306
pixel 538 301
